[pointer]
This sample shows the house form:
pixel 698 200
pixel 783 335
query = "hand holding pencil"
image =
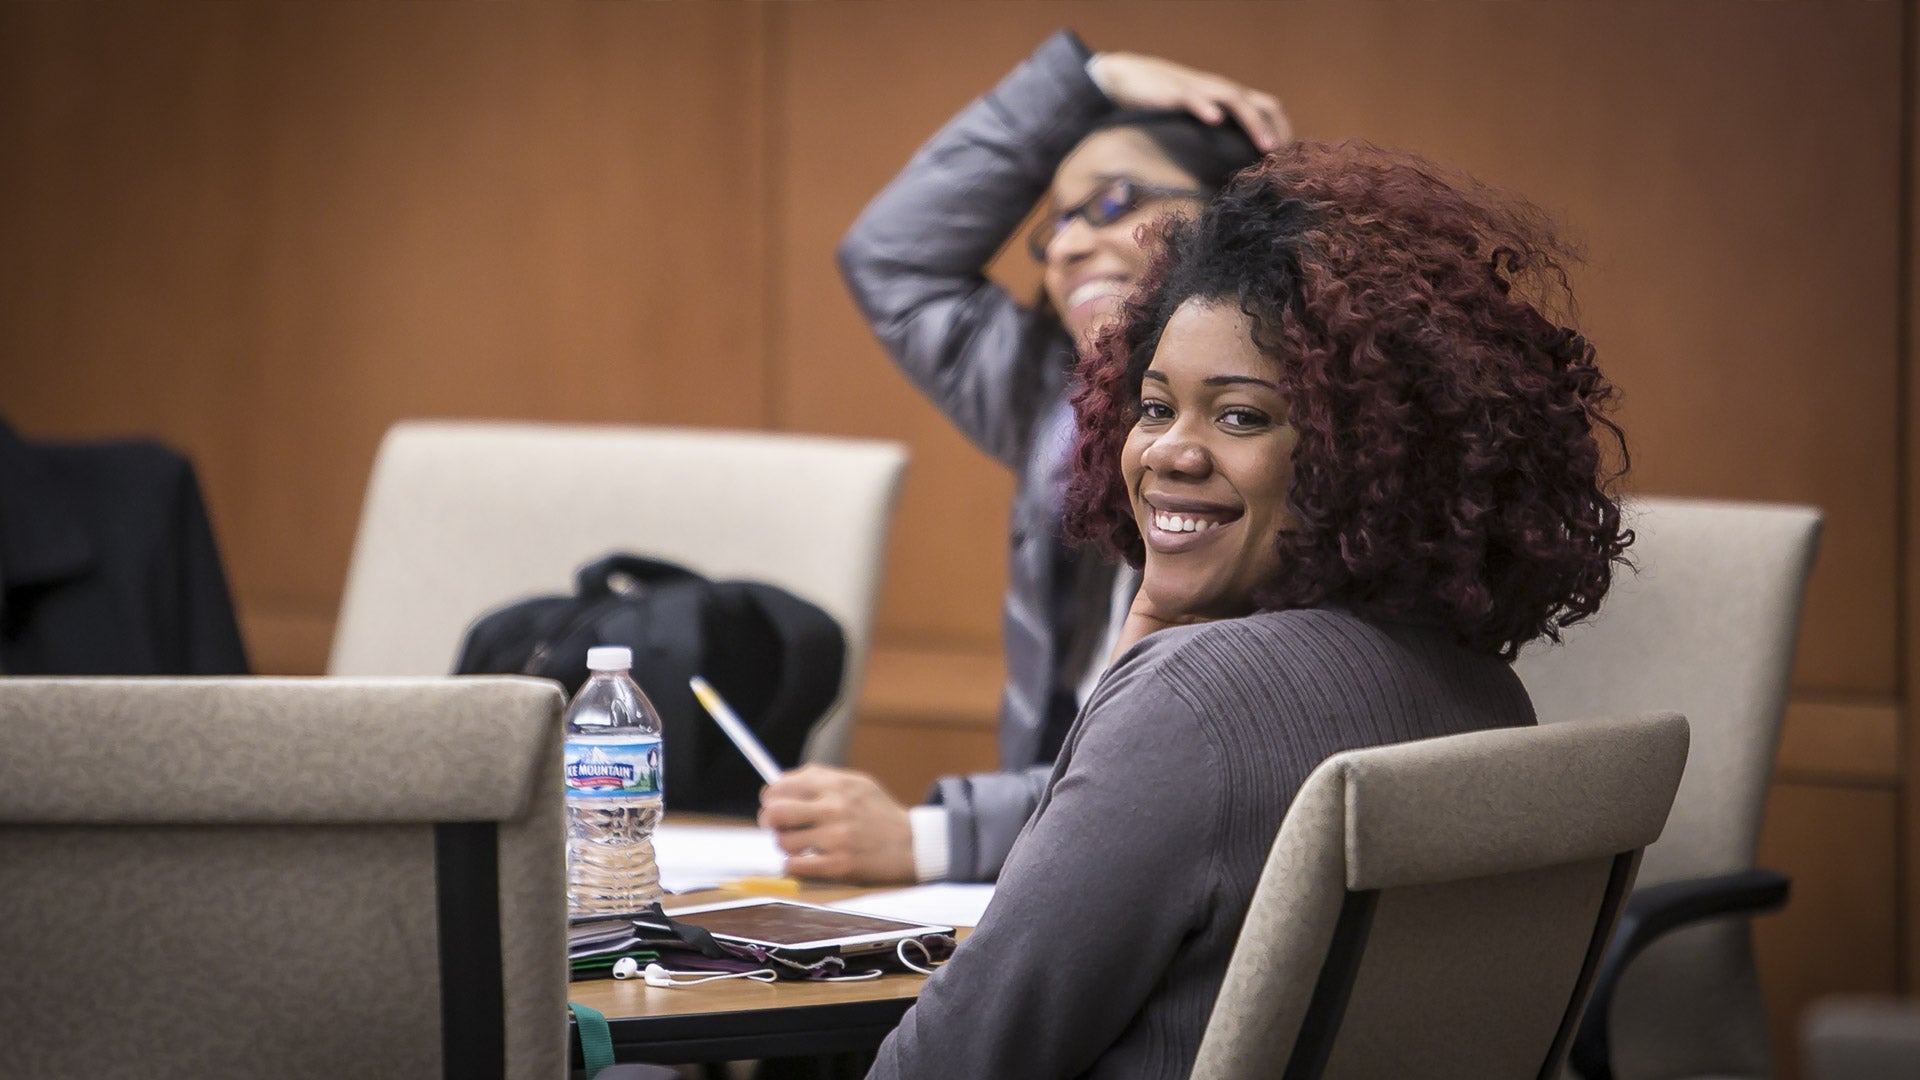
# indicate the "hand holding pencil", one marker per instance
pixel 833 823
pixel 838 824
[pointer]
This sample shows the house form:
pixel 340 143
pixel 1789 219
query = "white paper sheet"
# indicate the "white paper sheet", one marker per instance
pixel 941 904
pixel 702 856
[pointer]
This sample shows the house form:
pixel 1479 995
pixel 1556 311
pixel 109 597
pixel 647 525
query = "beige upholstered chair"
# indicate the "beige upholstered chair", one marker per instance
pixel 463 516
pixel 1705 627
pixel 1437 908
pixel 1862 1038
pixel 319 878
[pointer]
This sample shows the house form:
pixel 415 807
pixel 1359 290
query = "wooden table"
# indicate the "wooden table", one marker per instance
pixel 737 1019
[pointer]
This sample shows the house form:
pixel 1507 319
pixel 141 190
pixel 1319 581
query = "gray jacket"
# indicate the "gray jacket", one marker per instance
pixel 914 262
pixel 1111 928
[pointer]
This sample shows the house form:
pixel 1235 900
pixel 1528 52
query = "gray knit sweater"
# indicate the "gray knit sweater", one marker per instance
pixel 1119 907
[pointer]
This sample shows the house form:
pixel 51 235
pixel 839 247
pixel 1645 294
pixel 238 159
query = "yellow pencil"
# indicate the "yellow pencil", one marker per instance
pixel 736 730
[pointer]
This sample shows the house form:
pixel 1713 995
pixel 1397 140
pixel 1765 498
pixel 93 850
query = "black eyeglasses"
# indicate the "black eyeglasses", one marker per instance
pixel 1109 203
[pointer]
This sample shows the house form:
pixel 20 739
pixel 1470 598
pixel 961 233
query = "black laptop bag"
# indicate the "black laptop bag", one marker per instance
pixel 777 659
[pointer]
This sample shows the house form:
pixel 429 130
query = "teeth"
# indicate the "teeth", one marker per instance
pixel 1097 287
pixel 1178 523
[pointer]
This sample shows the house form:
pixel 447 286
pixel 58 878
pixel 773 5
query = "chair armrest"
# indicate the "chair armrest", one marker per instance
pixel 1649 913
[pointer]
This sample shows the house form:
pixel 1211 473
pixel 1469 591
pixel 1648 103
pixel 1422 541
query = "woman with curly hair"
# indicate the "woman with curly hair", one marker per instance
pixel 1360 462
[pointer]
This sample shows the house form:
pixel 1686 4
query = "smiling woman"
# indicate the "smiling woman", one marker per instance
pixel 1360 464
pixel 1208 466
pixel 1446 467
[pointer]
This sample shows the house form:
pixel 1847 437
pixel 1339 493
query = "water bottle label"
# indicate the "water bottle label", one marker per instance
pixel 603 768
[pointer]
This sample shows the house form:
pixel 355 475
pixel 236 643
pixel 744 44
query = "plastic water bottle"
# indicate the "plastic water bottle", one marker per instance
pixel 613 789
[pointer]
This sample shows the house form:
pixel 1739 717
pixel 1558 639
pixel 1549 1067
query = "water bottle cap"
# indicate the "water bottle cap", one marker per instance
pixel 609 658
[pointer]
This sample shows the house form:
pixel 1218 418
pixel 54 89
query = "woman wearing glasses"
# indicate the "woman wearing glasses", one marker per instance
pixel 1113 142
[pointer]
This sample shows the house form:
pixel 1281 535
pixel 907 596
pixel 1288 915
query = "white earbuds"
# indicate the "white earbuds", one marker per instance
pixel 628 968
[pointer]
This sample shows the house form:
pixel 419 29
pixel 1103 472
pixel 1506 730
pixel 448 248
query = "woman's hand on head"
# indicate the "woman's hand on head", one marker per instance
pixel 1133 81
pixel 839 824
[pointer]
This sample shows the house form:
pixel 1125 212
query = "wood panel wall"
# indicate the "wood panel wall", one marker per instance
pixel 265 233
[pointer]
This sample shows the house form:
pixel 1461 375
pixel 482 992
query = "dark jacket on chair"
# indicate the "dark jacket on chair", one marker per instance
pixel 108 565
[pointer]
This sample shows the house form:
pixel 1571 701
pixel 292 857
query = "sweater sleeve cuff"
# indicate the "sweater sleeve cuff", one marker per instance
pixel 1069 39
pixel 1095 75
pixel 930 857
pixel 1063 61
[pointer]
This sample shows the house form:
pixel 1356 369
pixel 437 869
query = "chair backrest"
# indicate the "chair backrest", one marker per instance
pixel 1438 908
pixel 281 877
pixel 1705 626
pixel 464 516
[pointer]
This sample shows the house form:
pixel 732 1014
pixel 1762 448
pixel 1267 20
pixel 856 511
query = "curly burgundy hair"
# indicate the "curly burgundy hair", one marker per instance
pixel 1449 466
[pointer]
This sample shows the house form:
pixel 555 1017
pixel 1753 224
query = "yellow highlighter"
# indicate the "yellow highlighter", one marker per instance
pixel 762 886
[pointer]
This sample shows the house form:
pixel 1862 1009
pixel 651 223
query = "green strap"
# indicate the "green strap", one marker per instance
pixel 596 1042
